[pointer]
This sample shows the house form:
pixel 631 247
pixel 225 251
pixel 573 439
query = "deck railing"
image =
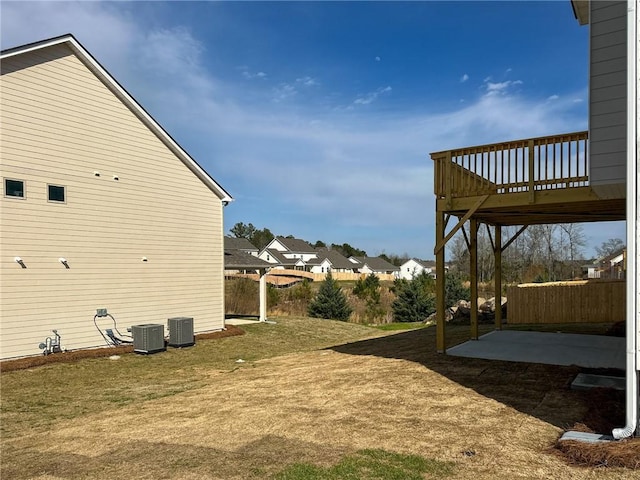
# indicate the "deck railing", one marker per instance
pixel 530 165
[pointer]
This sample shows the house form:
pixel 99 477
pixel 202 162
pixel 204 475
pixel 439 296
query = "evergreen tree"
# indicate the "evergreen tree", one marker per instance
pixel 365 287
pixel 415 299
pixel 330 302
pixel 454 289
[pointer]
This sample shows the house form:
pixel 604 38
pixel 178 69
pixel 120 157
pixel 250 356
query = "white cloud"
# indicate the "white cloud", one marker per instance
pixel 553 97
pixel 26 22
pixel 464 78
pixel 246 73
pixel 377 59
pixel 283 92
pixel 500 88
pixel 371 96
pixel 307 81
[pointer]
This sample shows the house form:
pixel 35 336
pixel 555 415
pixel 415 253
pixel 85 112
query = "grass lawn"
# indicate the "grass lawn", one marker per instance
pixel 311 399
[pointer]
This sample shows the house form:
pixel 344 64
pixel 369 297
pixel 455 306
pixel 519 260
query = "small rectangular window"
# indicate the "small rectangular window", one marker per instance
pixel 56 193
pixel 13 188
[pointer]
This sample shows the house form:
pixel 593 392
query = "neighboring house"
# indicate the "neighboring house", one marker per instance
pixel 331 261
pixel 368 265
pixel 591 270
pixel 561 178
pixel 233 243
pixel 292 248
pixel 614 265
pixel 289 253
pixel 278 260
pixel 240 256
pixel 414 267
pixel 101 208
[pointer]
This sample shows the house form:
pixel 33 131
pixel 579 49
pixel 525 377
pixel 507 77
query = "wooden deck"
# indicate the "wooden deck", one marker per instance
pixel 522 182
pixel 543 180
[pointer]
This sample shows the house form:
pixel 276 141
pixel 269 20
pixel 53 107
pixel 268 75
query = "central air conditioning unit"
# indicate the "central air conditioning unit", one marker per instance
pixel 181 332
pixel 148 338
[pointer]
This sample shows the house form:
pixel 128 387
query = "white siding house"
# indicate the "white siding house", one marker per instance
pixel 414 267
pixel 292 248
pixel 100 207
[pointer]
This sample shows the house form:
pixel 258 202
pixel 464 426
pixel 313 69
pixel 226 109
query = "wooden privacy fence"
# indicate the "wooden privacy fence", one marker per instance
pixel 583 301
pixel 349 276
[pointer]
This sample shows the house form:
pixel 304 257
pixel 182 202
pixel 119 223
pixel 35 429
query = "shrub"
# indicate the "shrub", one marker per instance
pixel 330 302
pixel 368 289
pixel 273 295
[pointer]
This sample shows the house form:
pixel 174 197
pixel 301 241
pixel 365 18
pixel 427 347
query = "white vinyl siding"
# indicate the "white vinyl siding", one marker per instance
pixel 607 110
pixel 60 124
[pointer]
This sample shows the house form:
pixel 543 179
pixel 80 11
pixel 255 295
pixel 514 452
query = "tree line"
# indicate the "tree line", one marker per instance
pixel 541 253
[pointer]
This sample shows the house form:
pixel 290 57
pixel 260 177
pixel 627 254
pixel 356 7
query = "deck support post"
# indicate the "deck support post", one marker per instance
pixel 473 259
pixel 498 276
pixel 440 305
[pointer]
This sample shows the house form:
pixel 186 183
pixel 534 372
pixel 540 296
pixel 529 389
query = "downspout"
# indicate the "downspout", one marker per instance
pixel 631 402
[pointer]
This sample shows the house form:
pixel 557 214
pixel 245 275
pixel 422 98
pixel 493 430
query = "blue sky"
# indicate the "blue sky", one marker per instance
pixel 319 117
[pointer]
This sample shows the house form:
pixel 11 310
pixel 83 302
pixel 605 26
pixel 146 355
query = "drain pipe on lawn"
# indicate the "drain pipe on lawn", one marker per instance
pixel 632 330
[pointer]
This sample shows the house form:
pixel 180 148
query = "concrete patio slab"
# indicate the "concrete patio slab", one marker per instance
pixel 586 437
pixel 590 351
pixel 587 381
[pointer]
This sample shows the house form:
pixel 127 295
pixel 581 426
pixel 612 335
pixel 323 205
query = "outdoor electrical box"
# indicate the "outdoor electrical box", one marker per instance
pixel 181 332
pixel 148 338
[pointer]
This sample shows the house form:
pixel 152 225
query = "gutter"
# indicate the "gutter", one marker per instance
pixel 633 234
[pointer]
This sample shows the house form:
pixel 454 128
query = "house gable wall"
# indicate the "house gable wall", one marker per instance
pixel 276 245
pixel 607 98
pixel 61 125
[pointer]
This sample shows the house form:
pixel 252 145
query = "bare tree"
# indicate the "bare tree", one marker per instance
pixel 608 247
pixel 459 254
pixel 576 241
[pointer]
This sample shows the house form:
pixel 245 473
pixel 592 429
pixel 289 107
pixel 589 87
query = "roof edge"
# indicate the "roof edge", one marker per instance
pixel 581 11
pixel 95 66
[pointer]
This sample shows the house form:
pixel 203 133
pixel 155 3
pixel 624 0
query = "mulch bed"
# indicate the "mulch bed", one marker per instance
pixel 74 355
pixel 606 411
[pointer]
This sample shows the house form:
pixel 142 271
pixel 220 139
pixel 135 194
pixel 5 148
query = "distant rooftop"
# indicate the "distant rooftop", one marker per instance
pixel 233 243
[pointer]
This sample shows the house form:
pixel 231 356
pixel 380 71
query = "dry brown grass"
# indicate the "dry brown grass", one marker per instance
pixel 491 420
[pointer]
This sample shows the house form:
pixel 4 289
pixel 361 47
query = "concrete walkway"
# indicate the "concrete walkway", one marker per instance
pixel 241 321
pixel 590 351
